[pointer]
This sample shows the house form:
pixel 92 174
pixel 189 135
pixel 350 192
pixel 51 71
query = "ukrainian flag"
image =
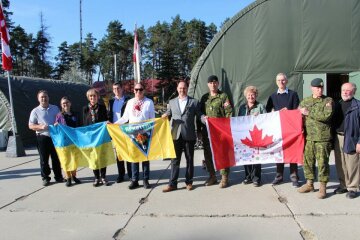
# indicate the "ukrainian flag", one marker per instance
pixel 88 146
pixel 143 141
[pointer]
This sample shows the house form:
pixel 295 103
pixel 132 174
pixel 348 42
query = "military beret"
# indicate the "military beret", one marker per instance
pixel 317 82
pixel 213 78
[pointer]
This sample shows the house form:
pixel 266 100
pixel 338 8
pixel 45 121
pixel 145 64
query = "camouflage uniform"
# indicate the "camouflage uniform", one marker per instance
pixel 318 136
pixel 214 106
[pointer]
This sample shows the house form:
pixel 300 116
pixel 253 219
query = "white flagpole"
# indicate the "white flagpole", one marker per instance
pixel 12 115
pixel 136 57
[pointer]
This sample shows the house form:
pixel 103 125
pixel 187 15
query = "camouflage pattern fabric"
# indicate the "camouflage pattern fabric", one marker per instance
pixel 214 106
pixel 319 151
pixel 318 122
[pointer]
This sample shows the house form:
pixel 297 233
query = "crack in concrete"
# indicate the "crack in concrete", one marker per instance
pixel 19 164
pixel 122 231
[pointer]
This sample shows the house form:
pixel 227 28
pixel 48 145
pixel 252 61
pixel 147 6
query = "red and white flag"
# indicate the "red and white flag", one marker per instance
pixel 5 38
pixel 136 58
pixel 274 137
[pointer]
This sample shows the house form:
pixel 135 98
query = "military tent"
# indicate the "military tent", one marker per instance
pixel 24 93
pixel 301 38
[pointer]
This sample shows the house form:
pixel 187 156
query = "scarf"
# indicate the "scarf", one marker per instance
pixel 93 111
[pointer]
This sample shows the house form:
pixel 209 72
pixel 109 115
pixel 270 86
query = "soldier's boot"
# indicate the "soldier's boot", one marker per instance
pixel 322 190
pixel 307 187
pixel 211 180
pixel 224 181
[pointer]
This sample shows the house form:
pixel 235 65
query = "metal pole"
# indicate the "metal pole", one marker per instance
pixel 12 115
pixel 115 75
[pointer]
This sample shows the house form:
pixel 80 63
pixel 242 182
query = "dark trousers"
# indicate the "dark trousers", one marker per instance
pixel 253 172
pixel 121 168
pixel 207 154
pixel 46 148
pixel 135 171
pixel 188 147
pixel 293 170
pixel 100 173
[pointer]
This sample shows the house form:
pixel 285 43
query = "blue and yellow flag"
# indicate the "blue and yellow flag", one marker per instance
pixel 88 146
pixel 144 141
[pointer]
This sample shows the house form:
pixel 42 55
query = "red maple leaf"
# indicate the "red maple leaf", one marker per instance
pixel 257 140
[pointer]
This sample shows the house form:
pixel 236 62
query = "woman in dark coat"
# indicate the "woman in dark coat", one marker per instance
pixel 94 112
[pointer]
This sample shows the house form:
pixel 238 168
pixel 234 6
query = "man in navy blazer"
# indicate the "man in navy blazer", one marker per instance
pixel 183 110
pixel 116 110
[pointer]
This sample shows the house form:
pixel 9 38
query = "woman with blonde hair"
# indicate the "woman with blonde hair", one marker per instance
pixel 252 107
pixel 95 112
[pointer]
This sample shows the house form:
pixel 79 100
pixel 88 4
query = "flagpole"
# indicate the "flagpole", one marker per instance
pixel 14 147
pixel 12 115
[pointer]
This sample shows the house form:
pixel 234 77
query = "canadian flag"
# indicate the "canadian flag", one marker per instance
pixel 275 137
pixel 136 58
pixel 5 38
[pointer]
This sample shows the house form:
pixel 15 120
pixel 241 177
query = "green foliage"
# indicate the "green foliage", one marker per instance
pixel 168 52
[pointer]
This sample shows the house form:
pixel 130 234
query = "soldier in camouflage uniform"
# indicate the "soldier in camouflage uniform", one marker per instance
pixel 317 110
pixel 214 104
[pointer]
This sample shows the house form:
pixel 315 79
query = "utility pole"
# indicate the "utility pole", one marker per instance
pixel 80 27
pixel 115 70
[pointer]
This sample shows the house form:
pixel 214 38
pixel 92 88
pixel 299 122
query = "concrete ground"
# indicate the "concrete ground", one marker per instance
pixel 30 211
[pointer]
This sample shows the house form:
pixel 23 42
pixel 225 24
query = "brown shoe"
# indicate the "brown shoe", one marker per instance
pixel 169 188
pixel 322 190
pixel 224 181
pixel 211 180
pixel 189 187
pixel 307 187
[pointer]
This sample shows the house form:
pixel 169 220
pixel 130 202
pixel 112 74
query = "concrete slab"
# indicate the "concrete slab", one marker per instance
pixel 330 227
pixel 58 225
pixel 201 228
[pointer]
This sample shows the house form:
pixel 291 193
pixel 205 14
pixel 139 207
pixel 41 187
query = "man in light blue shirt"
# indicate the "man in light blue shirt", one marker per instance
pixel 40 118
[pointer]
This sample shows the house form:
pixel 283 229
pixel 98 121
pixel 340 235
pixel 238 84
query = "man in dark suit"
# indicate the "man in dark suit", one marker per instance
pixel 183 110
pixel 116 110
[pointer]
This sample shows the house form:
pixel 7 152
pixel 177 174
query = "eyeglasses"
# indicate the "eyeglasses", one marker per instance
pixel 138 89
pixel 65 103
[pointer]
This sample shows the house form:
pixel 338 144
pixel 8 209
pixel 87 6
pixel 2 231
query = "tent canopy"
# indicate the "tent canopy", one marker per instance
pixel 272 36
pixel 24 93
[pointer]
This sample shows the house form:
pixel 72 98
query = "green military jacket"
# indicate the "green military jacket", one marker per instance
pixel 318 121
pixel 216 106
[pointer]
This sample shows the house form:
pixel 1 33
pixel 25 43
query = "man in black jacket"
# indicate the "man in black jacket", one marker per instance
pixel 116 110
pixel 347 141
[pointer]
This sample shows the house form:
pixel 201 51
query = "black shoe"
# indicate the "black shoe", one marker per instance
pixel 60 180
pixel 105 182
pixel 340 190
pixel 68 182
pixel 120 179
pixel 97 183
pixel 257 184
pixel 133 185
pixel 146 184
pixel 277 180
pixel 247 181
pixel 46 182
pixel 295 184
pixel 76 180
pixel 351 195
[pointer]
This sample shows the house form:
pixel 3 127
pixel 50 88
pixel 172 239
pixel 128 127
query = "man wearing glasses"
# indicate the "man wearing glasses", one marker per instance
pixel 138 109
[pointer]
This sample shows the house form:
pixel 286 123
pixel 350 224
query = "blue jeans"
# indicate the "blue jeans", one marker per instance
pixel 135 171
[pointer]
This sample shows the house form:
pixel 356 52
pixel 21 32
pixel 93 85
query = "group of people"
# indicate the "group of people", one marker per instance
pixel 121 110
pixel 324 121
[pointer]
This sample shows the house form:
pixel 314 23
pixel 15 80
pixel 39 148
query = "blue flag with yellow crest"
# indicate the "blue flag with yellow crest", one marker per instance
pixel 88 146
